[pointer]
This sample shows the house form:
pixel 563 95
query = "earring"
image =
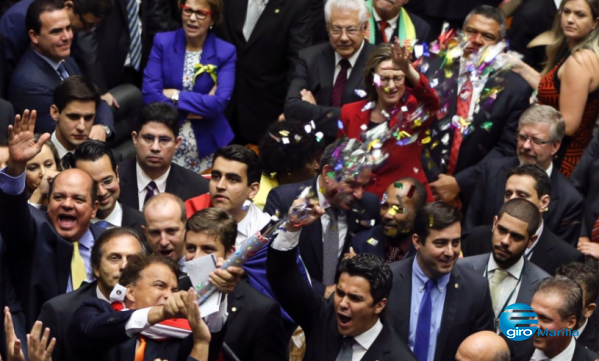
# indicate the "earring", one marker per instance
pixel 210 27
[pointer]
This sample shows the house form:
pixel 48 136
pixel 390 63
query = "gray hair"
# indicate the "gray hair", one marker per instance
pixel 352 5
pixel 568 290
pixel 503 355
pixel 538 114
pixel 490 12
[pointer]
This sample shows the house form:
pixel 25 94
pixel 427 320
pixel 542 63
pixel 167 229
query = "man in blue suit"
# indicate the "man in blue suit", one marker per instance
pixel 49 252
pixel 46 63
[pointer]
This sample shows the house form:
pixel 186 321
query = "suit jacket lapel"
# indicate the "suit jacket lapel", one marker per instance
pixel 326 71
pixel 356 76
pixel 235 302
pixel 128 179
pixel 402 290
pixel 239 13
pixel 381 345
pixel 173 180
pixel 527 287
pixel 177 60
pixel 541 252
pixel 270 14
pixel 449 310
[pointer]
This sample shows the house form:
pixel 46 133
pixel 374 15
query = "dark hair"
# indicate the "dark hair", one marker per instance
pixel 105 237
pixel 35 10
pixel 328 156
pixel 99 8
pixel 523 210
pixel 568 290
pixel 93 191
pixel 419 192
pixel 490 12
pixel 216 6
pixel 92 150
pixel 437 216
pixel 379 55
pixel 75 87
pixel 278 157
pixel 374 270
pixel 139 262
pixel 214 222
pixel 52 147
pixel 587 278
pixel 159 112
pixel 243 155
pixel 542 181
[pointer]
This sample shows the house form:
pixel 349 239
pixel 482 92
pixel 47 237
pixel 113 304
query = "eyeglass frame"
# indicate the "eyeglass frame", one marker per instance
pixel 163 141
pixel 86 25
pixel 332 29
pixel 403 81
pixel 536 141
pixel 205 13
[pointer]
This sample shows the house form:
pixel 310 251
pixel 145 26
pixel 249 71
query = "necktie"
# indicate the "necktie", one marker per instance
pixel 330 248
pixel 423 327
pixel 463 109
pixel 495 283
pixel 103 224
pixel 255 9
pixel 78 273
pixel 595 231
pixel 347 349
pixel 134 34
pixel 152 190
pixel 141 349
pixel 62 71
pixel 340 83
pixel 68 161
pixel 384 26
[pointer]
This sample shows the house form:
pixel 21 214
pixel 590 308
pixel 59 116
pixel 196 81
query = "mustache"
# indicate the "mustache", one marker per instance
pixel 503 250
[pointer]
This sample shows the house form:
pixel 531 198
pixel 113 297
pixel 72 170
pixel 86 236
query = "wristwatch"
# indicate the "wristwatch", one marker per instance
pixel 107 130
pixel 175 97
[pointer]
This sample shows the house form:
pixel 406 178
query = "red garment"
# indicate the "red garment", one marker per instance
pixel 404 161
pixel 197 204
pixel 462 111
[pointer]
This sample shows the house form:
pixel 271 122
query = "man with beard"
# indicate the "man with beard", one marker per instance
pixel 392 240
pixel 539 135
pixel 512 277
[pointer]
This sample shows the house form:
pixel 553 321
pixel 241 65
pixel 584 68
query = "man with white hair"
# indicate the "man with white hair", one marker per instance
pixel 327 75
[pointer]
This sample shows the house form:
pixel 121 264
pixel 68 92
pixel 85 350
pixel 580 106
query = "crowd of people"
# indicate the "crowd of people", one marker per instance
pixel 411 170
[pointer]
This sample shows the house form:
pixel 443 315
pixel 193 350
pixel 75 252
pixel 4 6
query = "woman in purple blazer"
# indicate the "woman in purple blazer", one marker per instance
pixel 195 71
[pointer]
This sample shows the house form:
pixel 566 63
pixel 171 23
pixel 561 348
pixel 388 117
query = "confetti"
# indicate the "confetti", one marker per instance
pixel 445 139
pixel 285 140
pixel 398 185
pixel 411 191
pixel 390 232
pixel 376 79
pixel 372 241
pixel 340 124
pixel 274 137
pixel 487 126
pixel 431 221
pixel 284 133
pixel 368 106
pixel 297 138
pixel 426 140
pixel 308 128
pixel 319 136
pixel 416 170
pixel 361 93
pixel 404 109
pixel 384 198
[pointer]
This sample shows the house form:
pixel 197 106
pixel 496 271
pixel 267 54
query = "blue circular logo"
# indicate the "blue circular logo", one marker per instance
pixel 518 322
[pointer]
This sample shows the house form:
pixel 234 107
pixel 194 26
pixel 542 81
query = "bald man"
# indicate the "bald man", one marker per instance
pixel 50 252
pixel 483 346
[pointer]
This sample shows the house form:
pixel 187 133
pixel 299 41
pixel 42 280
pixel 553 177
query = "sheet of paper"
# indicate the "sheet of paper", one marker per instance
pixel 198 271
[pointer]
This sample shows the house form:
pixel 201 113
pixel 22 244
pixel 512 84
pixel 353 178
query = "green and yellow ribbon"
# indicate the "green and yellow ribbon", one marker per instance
pixel 199 69
pixel 405 31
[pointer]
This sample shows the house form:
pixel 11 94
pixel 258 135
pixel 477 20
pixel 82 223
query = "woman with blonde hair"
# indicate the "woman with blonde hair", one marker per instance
pixel 570 80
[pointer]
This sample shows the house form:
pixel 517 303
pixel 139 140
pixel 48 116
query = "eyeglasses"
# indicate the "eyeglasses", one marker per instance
pixel 200 14
pixel 86 25
pixel 523 138
pixel 107 182
pixel 351 31
pixel 398 80
pixel 150 139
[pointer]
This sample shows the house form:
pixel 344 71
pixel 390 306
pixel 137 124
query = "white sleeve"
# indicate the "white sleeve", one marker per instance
pixel 286 240
pixel 217 320
pixel 138 322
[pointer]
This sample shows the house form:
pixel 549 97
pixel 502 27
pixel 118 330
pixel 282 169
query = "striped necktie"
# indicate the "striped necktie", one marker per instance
pixel 134 34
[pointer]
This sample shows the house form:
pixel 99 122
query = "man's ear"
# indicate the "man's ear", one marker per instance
pixel 230 253
pixel 33 36
pixel 130 295
pixel 545 200
pixel 54 113
pixel 589 310
pixel 416 242
pixel 532 240
pixel 69 5
pixel 495 220
pixel 134 137
pixel 254 189
pixel 380 306
pixel 116 171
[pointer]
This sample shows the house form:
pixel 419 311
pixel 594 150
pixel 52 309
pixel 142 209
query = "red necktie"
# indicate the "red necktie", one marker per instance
pixel 595 232
pixel 463 110
pixel 384 26
pixel 340 83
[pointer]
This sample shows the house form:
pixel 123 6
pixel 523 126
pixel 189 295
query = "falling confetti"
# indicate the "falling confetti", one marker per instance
pixel 411 191
pixel 319 136
pixel 361 93
pixel 487 126
pixel 285 140
pixel 284 133
pixel 398 185
pixel 368 106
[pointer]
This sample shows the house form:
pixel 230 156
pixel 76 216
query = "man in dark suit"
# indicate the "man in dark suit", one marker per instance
pixel 392 240
pixel 108 258
pixel 156 140
pixel 99 333
pixel 327 75
pixel 585 178
pixel 540 132
pixel 253 330
pixel 389 18
pixel 45 64
pixel 558 305
pixel 588 280
pixel 456 298
pixel 96 159
pixel 344 327
pixel 512 278
pixel 449 166
pixel 279 28
pixel 49 253
pixel 349 211
pixel 7 116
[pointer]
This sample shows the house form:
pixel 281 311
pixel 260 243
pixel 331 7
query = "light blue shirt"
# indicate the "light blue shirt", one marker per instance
pixel 419 279
pixel 52 63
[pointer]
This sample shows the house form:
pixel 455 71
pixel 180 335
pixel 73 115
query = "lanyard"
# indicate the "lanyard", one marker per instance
pixel 511 293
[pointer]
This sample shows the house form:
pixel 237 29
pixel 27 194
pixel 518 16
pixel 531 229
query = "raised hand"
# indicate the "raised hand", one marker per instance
pixel 13 344
pixel 22 146
pixel 225 280
pixel 40 349
pixel 401 56
pixel 174 307
pixel 200 330
pixel 295 223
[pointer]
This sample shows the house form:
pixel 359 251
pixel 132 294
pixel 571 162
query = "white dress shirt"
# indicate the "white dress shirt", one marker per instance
pixel 253 221
pixel 143 180
pixel 365 340
pixel 60 149
pixel 324 219
pixel 509 284
pixel 565 355
pixel 114 219
pixel 390 30
pixel 528 252
pixel 557 3
pixel 581 330
pixel 100 295
pixel 352 61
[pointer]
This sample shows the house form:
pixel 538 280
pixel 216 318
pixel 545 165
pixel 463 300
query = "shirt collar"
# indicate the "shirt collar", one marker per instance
pixel 115 217
pixel 253 218
pixel 182 265
pixel 352 59
pixel 392 22
pixel 143 179
pixel 366 339
pixel 423 278
pixel 515 270
pixel 565 355
pixel 581 329
pixel 87 240
pixel 60 149
pixel 100 295
pixel 538 234
pixel 52 63
pixel 557 3
pixel 550 169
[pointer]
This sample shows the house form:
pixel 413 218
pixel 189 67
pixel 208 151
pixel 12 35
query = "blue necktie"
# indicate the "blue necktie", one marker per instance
pixel 134 35
pixel 62 71
pixel 423 327
pixel 103 224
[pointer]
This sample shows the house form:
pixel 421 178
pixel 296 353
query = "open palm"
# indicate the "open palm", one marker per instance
pixel 22 146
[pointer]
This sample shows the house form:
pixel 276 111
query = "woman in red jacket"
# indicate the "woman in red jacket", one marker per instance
pixel 389 100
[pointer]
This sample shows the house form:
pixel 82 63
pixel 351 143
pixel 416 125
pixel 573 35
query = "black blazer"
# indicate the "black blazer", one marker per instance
pixel 590 336
pixel 581 353
pixel 360 243
pixel 57 313
pixel 467 309
pixel 495 141
pixel 318 318
pixel 7 117
pixel 266 62
pixel 549 253
pixel 132 218
pixel 455 9
pixel 181 182
pixel 585 178
pixel 565 208
pixel 40 259
pixel 314 72
pixel 280 199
